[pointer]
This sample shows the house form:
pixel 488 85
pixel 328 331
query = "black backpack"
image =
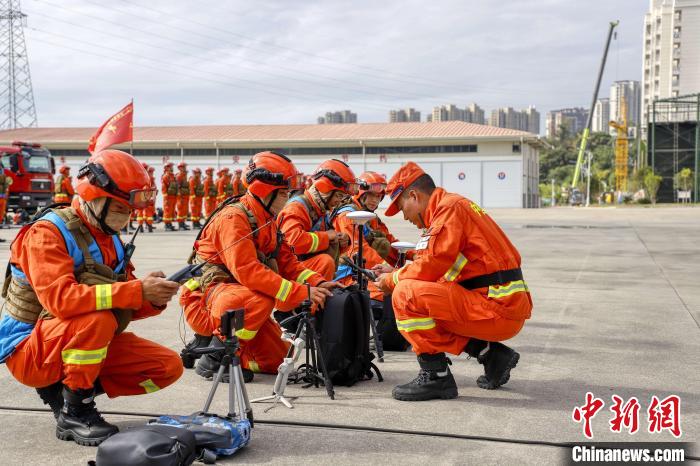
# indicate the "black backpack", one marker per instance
pixel 392 340
pixel 150 445
pixel 344 333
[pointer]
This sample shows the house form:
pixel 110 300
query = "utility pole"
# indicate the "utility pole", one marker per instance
pixel 588 183
pixel 553 192
pixel 17 108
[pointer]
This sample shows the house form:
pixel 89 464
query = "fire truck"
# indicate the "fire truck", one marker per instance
pixel 31 168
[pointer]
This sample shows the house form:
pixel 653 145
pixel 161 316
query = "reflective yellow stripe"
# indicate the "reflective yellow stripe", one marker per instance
pixel 253 366
pixel 103 297
pixel 149 386
pixel 456 268
pixel 395 277
pixel 83 357
pixel 192 284
pixel 285 289
pixel 410 325
pixel 245 334
pixel 314 242
pixel 517 286
pixel 305 275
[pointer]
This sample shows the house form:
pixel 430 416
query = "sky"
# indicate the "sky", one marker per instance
pixel 287 62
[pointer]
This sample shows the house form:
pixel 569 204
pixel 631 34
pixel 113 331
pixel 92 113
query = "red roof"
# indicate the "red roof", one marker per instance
pixel 305 133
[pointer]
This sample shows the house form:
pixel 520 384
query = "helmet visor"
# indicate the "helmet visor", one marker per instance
pixel 142 198
pixel 375 188
pixel 296 181
pixel 352 188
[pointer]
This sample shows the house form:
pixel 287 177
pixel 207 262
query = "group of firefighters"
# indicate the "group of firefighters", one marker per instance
pixel 70 291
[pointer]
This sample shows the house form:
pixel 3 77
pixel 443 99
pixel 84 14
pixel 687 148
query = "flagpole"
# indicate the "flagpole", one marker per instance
pixel 131 143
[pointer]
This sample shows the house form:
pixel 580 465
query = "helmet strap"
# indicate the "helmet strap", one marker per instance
pixel 102 217
pixel 266 206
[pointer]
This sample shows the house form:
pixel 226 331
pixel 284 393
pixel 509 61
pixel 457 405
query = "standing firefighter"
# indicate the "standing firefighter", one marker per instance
pixel 183 196
pixel 464 291
pixel 237 186
pixel 70 295
pixel 305 221
pixel 224 188
pixel 209 192
pixel 251 267
pixel 63 190
pixel 196 197
pixel 5 183
pixel 169 190
pixel 146 214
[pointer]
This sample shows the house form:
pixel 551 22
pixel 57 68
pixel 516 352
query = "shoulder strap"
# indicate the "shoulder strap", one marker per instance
pixel 75 232
pixel 219 208
pixel 343 208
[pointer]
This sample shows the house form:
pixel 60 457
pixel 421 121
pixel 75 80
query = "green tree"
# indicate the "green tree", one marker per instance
pixel 652 183
pixel 684 179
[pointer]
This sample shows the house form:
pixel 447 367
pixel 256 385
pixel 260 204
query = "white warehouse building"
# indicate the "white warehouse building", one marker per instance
pixel 495 167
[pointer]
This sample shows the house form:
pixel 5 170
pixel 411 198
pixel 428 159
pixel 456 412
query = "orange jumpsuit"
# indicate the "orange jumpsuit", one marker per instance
pixel 183 197
pixel 433 312
pixel 257 289
pixel 146 215
pixel 295 222
pixel 64 192
pixel 196 197
pixel 237 186
pixel 79 344
pixel 210 194
pixel 169 187
pixel 224 188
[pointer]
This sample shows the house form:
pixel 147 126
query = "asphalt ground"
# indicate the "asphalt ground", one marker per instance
pixel 617 306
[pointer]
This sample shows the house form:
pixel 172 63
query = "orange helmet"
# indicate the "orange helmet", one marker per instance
pixel 371 182
pixel 197 170
pixel 117 175
pixel 209 170
pixel 238 171
pixel 151 169
pixel 269 171
pixel 181 165
pixel 64 169
pixel 168 166
pixel 335 175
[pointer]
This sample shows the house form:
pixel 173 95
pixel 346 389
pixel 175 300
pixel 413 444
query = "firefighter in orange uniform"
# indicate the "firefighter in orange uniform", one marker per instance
pixel 376 236
pixel 196 197
pixel 464 291
pixel 5 183
pixel 169 190
pixel 146 215
pixel 71 294
pixel 224 189
pixel 237 186
pixel 209 192
pixel 305 223
pixel 183 196
pixel 253 268
pixel 63 190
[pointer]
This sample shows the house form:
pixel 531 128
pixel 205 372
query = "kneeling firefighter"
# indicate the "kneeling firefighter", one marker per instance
pixel 70 293
pixel 464 291
pixel 250 266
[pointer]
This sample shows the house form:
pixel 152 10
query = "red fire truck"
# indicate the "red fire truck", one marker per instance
pixel 31 168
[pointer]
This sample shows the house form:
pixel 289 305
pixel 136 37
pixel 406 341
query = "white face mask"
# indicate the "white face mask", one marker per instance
pixel 116 221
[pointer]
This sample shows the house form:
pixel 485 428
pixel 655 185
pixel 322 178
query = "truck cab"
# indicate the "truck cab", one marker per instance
pixel 31 168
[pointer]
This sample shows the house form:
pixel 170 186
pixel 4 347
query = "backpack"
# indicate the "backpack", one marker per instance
pixel 392 340
pixel 344 334
pixel 150 445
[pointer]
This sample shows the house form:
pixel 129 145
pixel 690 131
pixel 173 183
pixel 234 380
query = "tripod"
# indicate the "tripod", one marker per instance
pixel 238 403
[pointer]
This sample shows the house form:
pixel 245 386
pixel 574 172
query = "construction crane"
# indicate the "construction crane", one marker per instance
pixel 621 148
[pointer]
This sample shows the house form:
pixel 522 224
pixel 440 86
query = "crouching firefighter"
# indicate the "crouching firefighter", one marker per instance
pixel 249 265
pixel 464 291
pixel 70 293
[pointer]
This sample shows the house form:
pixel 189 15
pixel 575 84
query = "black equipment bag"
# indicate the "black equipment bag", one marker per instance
pixel 150 445
pixel 392 340
pixel 344 333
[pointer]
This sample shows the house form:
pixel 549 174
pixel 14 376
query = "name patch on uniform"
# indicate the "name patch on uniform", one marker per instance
pixel 422 243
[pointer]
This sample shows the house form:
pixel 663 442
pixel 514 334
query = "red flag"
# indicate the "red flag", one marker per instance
pixel 119 128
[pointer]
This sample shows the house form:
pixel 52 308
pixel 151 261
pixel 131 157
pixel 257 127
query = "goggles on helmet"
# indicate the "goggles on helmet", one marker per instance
pixel 374 188
pixel 352 188
pixel 97 176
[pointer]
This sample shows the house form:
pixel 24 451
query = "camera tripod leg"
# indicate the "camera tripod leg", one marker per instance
pixel 326 379
pixel 212 391
pixel 377 337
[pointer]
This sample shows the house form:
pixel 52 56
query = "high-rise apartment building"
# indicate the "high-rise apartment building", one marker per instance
pixel 631 90
pixel 400 116
pixel 472 113
pixel 345 116
pixel 574 119
pixel 601 116
pixel 671 57
pixel 523 120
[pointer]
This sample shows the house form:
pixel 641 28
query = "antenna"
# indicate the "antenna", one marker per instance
pixel 17 108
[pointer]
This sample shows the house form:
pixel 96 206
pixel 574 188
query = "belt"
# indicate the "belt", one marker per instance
pixel 497 278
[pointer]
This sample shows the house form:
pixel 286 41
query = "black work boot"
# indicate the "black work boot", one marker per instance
pixel 150 227
pixel 498 360
pixel 80 421
pixel 169 227
pixel 52 397
pixel 434 381
pixel 196 225
pixel 188 358
pixel 208 365
pixel 183 226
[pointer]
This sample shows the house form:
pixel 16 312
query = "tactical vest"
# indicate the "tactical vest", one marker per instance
pixel 172 186
pixel 228 189
pixel 212 189
pixel 199 189
pixel 21 301
pixel 58 187
pixel 183 187
pixel 5 182
pixel 318 223
pixel 213 274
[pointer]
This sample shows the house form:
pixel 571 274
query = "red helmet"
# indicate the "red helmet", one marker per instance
pixel 181 165
pixel 209 170
pixel 117 175
pixel 64 169
pixel 151 169
pixel 168 166
pixel 371 182
pixel 335 175
pixel 197 170
pixel 269 171
pixel 238 171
